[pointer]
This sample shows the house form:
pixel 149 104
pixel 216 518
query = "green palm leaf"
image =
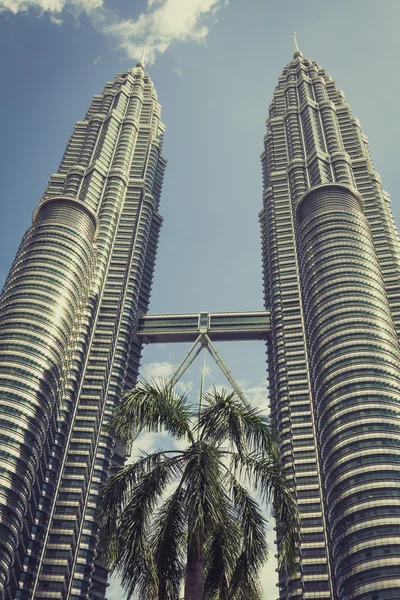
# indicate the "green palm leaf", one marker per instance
pixel 205 494
pixel 252 524
pixel 226 418
pixel 168 537
pixel 206 500
pixel 133 530
pixel 254 551
pixel 152 407
pixel 267 479
pixel 221 553
pixel 245 583
pixel 137 491
pixel 116 494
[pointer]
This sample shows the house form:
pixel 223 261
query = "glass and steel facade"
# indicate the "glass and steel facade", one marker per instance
pixel 331 257
pixel 68 347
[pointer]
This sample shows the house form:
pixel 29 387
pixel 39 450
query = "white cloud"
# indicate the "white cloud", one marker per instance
pixel 54 7
pixel 163 23
pixel 155 370
pixel 257 394
pixel 151 442
pixel 56 20
pixel 165 370
pixel 115 591
pixel 208 371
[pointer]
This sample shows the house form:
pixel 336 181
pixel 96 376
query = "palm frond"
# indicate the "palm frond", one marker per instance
pixel 206 506
pixel 252 523
pixel 225 418
pixel 221 552
pixel 115 495
pixel 152 406
pixel 168 537
pixel 220 419
pixel 245 582
pixel 288 520
pixel 205 494
pixel 136 490
pixel 136 562
pixel 139 574
pixel 273 487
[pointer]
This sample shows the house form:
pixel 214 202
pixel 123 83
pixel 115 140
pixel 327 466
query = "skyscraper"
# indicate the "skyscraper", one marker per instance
pixel 67 345
pixel 331 257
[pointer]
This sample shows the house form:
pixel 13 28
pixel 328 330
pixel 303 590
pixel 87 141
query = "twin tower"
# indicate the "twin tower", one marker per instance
pixel 70 340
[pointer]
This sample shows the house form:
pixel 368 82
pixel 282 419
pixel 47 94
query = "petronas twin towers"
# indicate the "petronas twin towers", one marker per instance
pixel 70 344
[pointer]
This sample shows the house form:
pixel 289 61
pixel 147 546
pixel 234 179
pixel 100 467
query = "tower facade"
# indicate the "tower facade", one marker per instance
pixel 68 347
pixel 331 257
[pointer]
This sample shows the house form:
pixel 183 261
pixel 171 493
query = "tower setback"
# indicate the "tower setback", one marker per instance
pixel 68 349
pixel 331 258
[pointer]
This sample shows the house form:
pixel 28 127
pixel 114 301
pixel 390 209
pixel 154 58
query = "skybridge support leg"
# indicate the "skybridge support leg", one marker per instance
pixel 203 341
pixel 185 364
pixel 217 358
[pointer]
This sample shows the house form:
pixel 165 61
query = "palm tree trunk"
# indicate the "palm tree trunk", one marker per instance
pixel 194 569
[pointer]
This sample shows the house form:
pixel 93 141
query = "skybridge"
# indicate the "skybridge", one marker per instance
pixel 202 329
pixel 220 327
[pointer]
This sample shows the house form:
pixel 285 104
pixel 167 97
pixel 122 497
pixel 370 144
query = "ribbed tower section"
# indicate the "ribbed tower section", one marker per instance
pixel 68 348
pixel 331 256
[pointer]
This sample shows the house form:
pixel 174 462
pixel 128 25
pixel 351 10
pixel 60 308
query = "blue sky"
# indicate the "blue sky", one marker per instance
pixel 215 65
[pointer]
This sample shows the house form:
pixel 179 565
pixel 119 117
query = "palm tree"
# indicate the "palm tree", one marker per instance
pixel 186 514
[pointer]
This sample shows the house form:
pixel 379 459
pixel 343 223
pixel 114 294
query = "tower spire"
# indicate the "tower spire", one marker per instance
pixel 143 53
pixel 296 46
pixel 140 62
